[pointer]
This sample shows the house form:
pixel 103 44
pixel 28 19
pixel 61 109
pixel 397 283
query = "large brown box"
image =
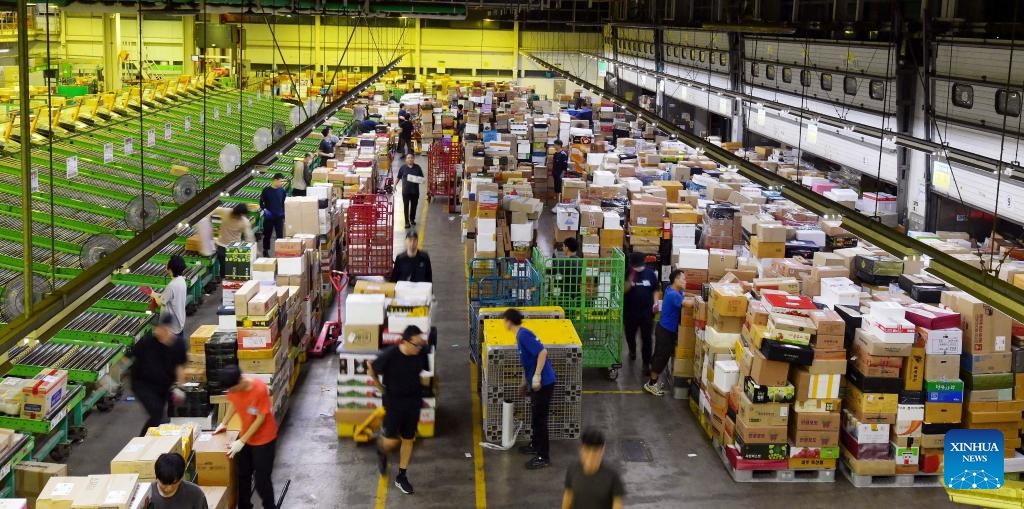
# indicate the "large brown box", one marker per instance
pixel 31 476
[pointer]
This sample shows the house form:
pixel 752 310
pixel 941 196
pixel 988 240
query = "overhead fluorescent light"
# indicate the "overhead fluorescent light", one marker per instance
pixel 5 50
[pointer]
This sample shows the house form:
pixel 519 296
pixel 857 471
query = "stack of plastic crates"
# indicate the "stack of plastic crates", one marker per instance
pixel 590 290
pixel 503 374
pixel 369 235
pixel 499 283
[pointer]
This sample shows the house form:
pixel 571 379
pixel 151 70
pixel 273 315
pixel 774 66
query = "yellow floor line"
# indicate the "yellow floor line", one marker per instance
pixel 423 226
pixel 478 452
pixel 382 492
pixel 614 392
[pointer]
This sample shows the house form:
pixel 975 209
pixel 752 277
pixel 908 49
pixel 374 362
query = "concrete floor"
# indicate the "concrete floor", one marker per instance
pixel 326 472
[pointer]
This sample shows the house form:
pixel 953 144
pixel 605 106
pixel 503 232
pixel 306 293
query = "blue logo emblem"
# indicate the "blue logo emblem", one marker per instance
pixel 974 459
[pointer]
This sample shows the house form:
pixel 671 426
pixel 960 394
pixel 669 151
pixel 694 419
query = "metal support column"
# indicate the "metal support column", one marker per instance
pixel 515 51
pixel 26 152
pixel 659 66
pixel 736 85
pixel 318 46
pixel 188 44
pixel 418 50
pixel 111 47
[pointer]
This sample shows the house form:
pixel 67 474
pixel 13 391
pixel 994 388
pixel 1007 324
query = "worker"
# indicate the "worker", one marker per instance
pixel 368 126
pixel 328 143
pixel 665 334
pixel 638 308
pixel 412 264
pixel 402 367
pixel 171 491
pixel 405 129
pixel 158 366
pixel 590 484
pixel 411 176
pixel 253 450
pixel 401 110
pixel 538 382
pixel 559 165
pixel 460 119
pixel 567 274
pixel 272 204
pixel 172 299
pixel 302 175
pixel 359 111
pixel 234 227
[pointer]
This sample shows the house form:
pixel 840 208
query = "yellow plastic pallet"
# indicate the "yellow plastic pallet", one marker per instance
pixel 549 332
pixel 526 311
pixel 1009 496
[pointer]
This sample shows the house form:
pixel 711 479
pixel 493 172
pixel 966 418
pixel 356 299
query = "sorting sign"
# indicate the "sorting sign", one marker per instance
pixel 167 131
pixel 216 112
pixel 188 124
pixel 72 166
pixel 151 138
pixel 108 152
pixel 128 149
pixel 228 112
pixel 35 181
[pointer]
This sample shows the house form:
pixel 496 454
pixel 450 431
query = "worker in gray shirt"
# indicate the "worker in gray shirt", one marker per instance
pixel 171 491
pixel 172 300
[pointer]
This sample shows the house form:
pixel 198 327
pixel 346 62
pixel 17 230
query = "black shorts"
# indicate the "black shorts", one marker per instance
pixel 558 183
pixel 402 417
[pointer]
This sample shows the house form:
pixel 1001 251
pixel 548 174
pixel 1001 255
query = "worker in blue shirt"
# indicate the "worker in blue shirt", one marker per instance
pixel 272 203
pixel 538 382
pixel 667 331
pixel 638 307
pixel 559 165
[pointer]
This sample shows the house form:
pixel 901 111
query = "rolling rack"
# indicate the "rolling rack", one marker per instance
pixel 369 235
pixel 53 432
pixel 444 164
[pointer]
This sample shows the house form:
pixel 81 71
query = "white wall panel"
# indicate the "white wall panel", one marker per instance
pixel 979 190
pixel 983 112
pixel 826 108
pixel 984 63
pixel 855 151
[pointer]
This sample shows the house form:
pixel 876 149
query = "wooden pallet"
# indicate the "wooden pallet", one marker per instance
pixel 918 480
pixel 787 475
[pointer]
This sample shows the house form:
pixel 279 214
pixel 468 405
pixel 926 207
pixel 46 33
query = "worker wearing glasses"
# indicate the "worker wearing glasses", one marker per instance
pixel 404 368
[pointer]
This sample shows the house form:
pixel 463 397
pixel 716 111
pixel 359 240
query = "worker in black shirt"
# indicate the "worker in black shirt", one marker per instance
pixel 405 135
pixel 567 274
pixel 411 176
pixel 328 144
pixel 272 203
pixel 412 265
pixel 559 165
pixel 402 367
pixel 638 308
pixel 460 120
pixel 159 362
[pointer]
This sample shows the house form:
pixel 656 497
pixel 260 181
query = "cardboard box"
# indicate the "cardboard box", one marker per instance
pixel 987 362
pixel 766 372
pixel 115 491
pixel 811 386
pixel 817 421
pixel 875 346
pixel 43 392
pixel 60 492
pixel 759 434
pixel 361 338
pixel 814 439
pixel 761 414
pixel 646 213
pixel 913 370
pixel 140 454
pixel 244 294
pixel 986 329
pixel 216 497
pixel 31 476
pixel 728 299
pixel 260 304
pixel 765 250
pixel 213 467
pixel 380 287
pixel 941 367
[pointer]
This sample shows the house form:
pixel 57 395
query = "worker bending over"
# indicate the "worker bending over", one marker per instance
pixel 171 491
pixel 666 333
pixel 412 265
pixel 253 450
pixel 159 363
pixel 234 227
pixel 402 368
pixel 538 382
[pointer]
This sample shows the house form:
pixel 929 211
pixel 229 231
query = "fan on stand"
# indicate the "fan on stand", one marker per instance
pixel 96 248
pixel 142 211
pixel 261 139
pixel 230 158
pixel 185 188
pixel 297 115
pixel 277 130
pixel 14 295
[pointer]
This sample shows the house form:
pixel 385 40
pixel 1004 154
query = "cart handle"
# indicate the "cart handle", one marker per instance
pixel 339 279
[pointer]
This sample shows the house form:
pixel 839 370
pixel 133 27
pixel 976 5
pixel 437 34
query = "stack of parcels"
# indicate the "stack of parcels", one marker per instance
pixel 683 360
pixel 720 229
pixel 567 222
pixel 30 477
pixel 600 231
pixel 487 205
pixel 261 311
pixel 139 456
pixel 114 491
pixel 646 223
pixel 238 260
pixel 521 214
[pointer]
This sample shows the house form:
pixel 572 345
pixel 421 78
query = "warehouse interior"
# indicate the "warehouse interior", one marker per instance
pixel 832 189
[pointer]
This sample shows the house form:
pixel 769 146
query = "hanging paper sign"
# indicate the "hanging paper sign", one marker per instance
pixel 72 166
pixel 108 152
pixel 812 133
pixel 167 131
pixel 228 112
pixel 723 106
pixel 238 106
pixel 760 116
pixel 188 124
pixel 151 138
pixel 258 95
pixel 202 117
pixel 250 102
pixel 216 112
pixel 127 146
pixel 35 181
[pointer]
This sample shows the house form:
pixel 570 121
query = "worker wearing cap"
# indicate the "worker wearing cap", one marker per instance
pixel 272 204
pixel 158 365
pixel 413 264
pixel 638 308
pixel 402 367
pixel 253 450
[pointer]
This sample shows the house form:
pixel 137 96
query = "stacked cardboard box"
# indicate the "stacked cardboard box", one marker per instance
pixel 30 477
pixel 114 491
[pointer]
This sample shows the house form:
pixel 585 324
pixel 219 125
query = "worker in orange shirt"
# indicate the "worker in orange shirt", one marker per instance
pixel 253 451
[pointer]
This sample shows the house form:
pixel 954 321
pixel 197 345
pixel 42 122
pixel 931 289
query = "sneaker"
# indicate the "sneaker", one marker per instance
pixel 407 226
pixel 537 463
pixel 402 483
pixel 382 462
pixel 654 389
pixel 527 449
